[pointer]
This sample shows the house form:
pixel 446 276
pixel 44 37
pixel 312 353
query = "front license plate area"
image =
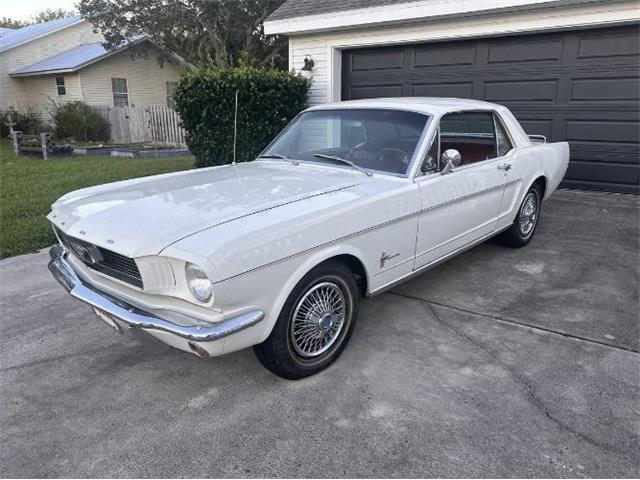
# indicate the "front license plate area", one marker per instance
pixel 108 319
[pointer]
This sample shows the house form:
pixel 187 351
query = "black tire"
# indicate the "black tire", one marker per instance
pixel 280 352
pixel 522 230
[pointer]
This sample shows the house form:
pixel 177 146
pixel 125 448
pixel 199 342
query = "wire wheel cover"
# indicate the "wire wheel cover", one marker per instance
pixel 528 214
pixel 318 320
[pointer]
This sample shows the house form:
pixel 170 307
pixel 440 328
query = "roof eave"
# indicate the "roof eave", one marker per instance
pixel 404 13
pixel 43 72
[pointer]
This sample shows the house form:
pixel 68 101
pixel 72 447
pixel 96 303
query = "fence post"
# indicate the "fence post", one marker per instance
pixel 16 137
pixel 44 143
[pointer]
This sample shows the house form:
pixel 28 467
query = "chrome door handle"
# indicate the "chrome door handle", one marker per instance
pixel 505 166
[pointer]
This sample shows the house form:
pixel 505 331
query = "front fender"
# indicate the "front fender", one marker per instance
pixel 268 288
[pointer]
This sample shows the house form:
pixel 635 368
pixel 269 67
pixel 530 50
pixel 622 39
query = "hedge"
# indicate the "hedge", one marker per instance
pixel 267 101
pixel 28 122
pixel 78 121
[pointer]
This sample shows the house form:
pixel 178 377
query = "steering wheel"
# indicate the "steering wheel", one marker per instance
pixel 398 152
pixel 351 154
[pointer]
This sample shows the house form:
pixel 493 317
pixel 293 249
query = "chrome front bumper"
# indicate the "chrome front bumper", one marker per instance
pixel 139 319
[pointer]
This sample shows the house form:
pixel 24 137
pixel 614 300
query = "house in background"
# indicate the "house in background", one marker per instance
pixel 568 69
pixel 64 60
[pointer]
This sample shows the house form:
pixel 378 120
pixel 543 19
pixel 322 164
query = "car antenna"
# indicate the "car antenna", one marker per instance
pixel 235 129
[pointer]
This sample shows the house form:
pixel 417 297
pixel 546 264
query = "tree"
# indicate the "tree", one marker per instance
pixel 6 22
pixel 44 16
pixel 205 32
pixel 51 14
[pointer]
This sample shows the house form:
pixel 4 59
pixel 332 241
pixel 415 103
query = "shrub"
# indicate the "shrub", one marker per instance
pixel 267 101
pixel 77 120
pixel 28 122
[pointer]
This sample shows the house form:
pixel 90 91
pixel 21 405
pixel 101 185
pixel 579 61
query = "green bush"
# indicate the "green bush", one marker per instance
pixel 267 101
pixel 78 121
pixel 28 122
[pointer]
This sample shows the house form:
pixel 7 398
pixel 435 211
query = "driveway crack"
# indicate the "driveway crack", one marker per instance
pixel 523 382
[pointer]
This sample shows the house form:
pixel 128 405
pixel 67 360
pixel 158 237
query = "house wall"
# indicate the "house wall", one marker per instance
pixel 326 48
pixel 40 92
pixel 12 89
pixel 146 78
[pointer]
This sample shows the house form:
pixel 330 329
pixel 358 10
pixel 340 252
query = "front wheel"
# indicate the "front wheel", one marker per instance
pixel 521 232
pixel 314 325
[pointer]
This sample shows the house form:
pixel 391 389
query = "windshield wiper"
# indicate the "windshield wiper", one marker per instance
pixel 281 157
pixel 345 161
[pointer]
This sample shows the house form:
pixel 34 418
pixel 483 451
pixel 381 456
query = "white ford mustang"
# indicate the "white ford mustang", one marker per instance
pixel 350 199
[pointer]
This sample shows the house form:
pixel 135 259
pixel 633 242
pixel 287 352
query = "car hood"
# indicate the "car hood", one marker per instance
pixel 143 216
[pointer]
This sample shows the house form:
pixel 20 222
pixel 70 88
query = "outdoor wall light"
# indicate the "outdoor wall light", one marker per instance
pixel 308 64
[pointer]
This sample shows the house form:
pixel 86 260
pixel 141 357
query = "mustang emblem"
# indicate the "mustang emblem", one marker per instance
pixel 88 253
pixel 384 257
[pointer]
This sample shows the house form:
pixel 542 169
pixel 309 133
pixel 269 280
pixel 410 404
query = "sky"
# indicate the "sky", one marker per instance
pixel 23 9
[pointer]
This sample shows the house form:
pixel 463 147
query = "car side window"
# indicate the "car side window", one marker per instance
pixel 503 144
pixel 470 133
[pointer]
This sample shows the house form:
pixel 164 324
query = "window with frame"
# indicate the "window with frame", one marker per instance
pixel 383 140
pixel 430 162
pixel 171 88
pixel 503 143
pixel 60 86
pixel 470 133
pixel 120 92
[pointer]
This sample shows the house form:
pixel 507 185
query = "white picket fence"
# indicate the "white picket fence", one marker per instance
pixel 142 124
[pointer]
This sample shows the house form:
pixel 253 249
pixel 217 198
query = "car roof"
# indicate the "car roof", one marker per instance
pixel 429 105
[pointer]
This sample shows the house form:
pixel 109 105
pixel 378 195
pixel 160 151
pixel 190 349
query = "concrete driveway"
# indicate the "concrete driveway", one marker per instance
pixel 500 363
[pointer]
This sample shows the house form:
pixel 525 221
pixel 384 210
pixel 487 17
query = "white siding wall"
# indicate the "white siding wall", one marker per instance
pixel 40 91
pixel 12 89
pixel 325 48
pixel 146 79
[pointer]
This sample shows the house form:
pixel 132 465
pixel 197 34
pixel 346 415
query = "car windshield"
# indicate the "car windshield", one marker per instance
pixel 372 139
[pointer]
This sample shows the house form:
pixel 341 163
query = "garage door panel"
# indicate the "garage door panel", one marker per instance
pixel 536 126
pixel 602 130
pixel 444 55
pixel 605 152
pixel 605 89
pixel 621 174
pixel 374 61
pixel 609 44
pixel 537 91
pixel 375 91
pixel 529 49
pixel 464 90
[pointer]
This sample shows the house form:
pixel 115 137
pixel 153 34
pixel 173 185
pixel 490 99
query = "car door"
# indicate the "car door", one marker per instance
pixel 514 166
pixel 460 207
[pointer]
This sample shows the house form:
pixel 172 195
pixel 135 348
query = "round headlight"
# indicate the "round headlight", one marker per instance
pixel 198 282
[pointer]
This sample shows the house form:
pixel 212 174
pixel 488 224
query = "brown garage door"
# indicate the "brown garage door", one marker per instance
pixel 580 86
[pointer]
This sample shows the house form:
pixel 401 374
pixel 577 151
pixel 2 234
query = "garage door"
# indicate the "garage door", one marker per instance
pixel 580 86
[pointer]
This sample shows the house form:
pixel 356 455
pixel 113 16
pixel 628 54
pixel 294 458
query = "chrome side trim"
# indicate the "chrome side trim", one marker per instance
pixel 435 263
pixel 139 319
pixel 468 196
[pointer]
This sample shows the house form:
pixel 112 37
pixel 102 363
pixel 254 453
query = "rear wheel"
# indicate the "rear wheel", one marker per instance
pixel 315 323
pixel 524 226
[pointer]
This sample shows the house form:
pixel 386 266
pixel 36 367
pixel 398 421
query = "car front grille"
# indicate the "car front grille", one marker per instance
pixel 102 260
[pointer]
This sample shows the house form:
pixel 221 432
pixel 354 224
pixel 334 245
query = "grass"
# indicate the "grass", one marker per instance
pixel 29 185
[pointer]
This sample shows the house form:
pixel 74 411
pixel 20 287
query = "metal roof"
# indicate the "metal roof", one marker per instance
pixel 303 8
pixel 72 59
pixel 31 32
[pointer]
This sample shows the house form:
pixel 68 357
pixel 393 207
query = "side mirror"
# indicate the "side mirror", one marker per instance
pixel 450 159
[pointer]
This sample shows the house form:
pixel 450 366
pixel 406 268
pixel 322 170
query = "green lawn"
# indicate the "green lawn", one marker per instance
pixel 28 187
